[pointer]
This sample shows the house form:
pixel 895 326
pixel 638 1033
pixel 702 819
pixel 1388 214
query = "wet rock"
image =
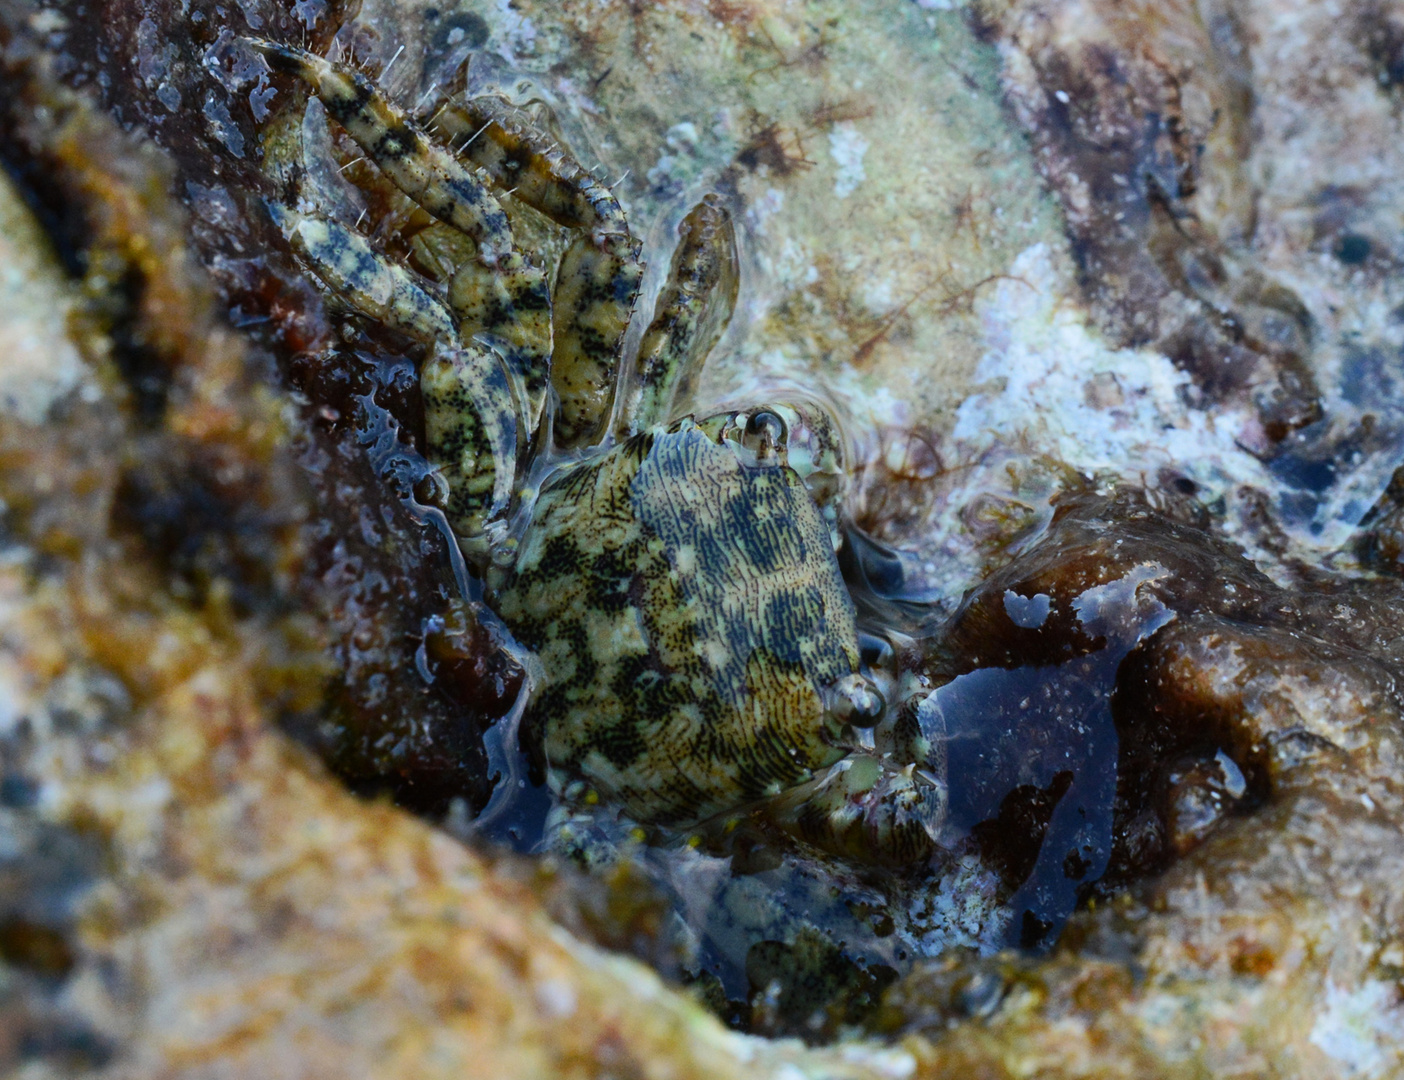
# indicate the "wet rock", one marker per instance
pixel 1380 544
pixel 1128 132
pixel 809 988
pixel 1216 204
pixel 197 564
pixel 1258 731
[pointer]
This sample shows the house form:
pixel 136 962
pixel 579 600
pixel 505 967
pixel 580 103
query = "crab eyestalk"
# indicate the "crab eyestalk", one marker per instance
pixel 815 451
pixel 800 434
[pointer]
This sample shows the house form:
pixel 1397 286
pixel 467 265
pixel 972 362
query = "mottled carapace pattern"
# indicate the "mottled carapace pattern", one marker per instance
pixel 690 619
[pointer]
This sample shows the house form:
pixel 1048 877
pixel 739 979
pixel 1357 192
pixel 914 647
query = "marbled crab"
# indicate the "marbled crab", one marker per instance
pixel 675 576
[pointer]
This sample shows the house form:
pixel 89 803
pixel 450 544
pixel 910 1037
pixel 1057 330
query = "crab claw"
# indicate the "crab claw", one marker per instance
pixel 865 809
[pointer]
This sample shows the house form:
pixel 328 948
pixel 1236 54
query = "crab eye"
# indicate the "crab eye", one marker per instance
pixel 765 433
pixel 856 700
pixel 868 706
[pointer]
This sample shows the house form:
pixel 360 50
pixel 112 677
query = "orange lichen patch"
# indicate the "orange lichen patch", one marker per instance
pixel 137 255
pixel 1253 958
pixel 740 13
pixel 149 326
pixel 1098 987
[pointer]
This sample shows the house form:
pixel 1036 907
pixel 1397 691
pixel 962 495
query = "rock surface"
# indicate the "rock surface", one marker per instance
pixel 1177 275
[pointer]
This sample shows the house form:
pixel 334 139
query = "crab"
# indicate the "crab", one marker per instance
pixel 675 576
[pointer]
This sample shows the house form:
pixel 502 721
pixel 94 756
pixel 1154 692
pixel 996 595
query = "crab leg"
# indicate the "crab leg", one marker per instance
pixel 472 394
pixel 504 298
pixel 470 414
pixel 872 808
pixel 514 154
pixel 867 809
pixel 599 276
pixel 508 306
pixel 370 283
pixel 691 312
pixel 427 174
pixel 596 287
pixel 470 418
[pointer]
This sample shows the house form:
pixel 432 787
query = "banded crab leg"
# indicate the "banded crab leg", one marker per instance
pixel 374 286
pixel 476 432
pixel 690 316
pixel 471 402
pixel 598 280
pixel 517 309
